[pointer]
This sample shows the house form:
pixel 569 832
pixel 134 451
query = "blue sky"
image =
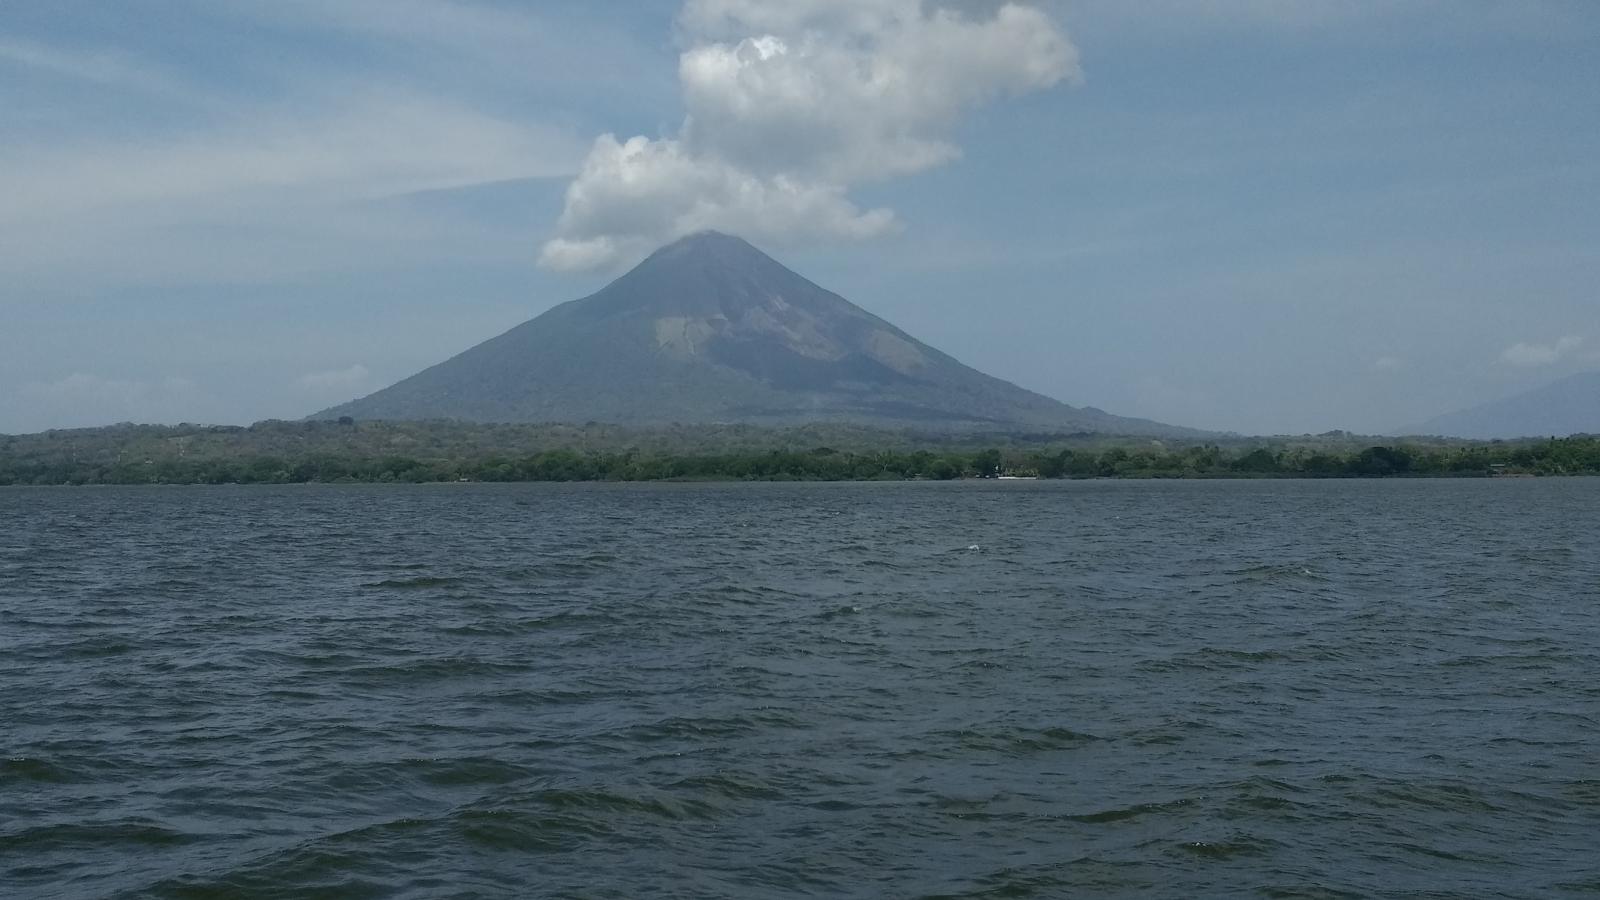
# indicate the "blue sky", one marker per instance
pixel 1256 216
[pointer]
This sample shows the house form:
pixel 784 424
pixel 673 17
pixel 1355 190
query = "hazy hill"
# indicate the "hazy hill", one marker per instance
pixel 710 329
pixel 1568 406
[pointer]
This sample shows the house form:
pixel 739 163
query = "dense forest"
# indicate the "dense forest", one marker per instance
pixel 294 452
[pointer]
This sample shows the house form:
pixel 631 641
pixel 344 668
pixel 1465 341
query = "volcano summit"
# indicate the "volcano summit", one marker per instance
pixel 709 329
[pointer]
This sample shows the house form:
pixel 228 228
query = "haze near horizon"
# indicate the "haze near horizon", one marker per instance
pixel 1264 218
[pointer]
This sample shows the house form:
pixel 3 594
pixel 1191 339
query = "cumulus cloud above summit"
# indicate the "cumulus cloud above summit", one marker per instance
pixel 789 106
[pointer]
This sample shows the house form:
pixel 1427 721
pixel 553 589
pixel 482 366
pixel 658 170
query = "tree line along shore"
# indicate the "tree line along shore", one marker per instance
pixel 335 452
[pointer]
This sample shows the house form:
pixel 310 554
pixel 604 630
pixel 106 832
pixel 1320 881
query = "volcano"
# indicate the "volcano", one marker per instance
pixel 711 330
pixel 1568 406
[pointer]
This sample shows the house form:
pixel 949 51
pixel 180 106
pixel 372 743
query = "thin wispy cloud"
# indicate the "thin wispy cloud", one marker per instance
pixel 335 380
pixel 1165 15
pixel 368 148
pixel 268 162
pixel 1527 354
pixel 792 105
pixel 1322 20
pixel 489 48
pixel 263 198
pixel 86 398
pixel 98 67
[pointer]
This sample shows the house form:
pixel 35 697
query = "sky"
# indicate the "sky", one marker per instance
pixel 1263 216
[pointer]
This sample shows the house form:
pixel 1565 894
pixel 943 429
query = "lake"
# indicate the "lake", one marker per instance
pixel 995 689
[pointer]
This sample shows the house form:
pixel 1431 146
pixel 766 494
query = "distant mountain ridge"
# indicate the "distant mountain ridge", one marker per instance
pixel 1562 408
pixel 711 330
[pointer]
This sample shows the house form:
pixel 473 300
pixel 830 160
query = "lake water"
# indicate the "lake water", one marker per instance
pixel 1151 689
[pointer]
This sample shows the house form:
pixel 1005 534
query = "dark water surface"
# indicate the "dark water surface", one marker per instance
pixel 1166 689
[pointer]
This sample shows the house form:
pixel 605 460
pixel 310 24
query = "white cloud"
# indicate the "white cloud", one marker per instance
pixel 334 379
pixel 637 194
pixel 1387 364
pixel 1526 354
pixel 790 106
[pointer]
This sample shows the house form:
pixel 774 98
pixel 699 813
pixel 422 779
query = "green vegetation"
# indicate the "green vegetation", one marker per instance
pixel 293 452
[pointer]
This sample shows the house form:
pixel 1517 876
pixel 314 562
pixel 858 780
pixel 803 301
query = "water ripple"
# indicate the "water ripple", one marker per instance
pixel 1180 689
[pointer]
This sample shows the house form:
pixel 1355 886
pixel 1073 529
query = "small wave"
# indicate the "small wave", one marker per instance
pixel 89 648
pixel 1389 794
pixel 1021 741
pixel 1243 655
pixel 594 803
pixel 1213 658
pixel 431 669
pixel 320 867
pixel 1169 733
pixel 82 836
pixel 437 772
pixel 504 829
pixel 677 728
pixel 1239 845
pixel 472 770
pixel 1126 813
pixel 1262 804
pixel 1278 573
pixel 497 627
pixel 419 582
pixel 27 768
pixel 1308 892
pixel 559 569
pixel 1431 852
pixel 526 698
pixel 834 805
pixel 1584 791
pixel 546 820
pixel 1010 884
pixel 731 785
